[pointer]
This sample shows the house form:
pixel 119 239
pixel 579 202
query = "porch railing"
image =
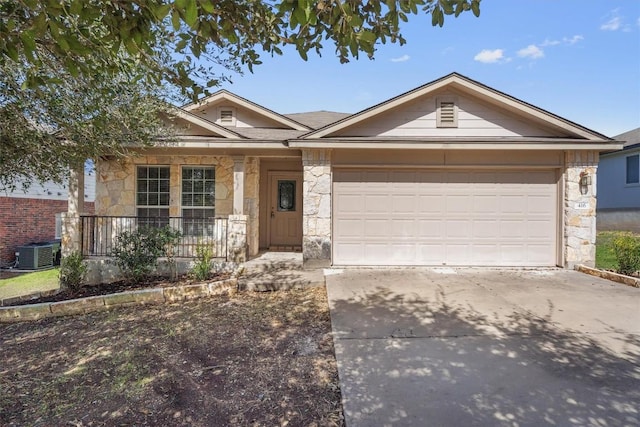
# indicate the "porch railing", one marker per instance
pixel 99 234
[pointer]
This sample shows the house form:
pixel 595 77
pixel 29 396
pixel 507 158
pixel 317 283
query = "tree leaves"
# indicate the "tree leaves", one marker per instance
pixel 98 35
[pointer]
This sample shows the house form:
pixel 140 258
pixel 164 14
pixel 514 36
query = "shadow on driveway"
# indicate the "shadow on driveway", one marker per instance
pixel 422 358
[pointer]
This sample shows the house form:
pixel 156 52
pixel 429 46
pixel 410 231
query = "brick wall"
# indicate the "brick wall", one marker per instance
pixel 23 221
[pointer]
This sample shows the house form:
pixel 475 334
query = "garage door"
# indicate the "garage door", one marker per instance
pixel 438 217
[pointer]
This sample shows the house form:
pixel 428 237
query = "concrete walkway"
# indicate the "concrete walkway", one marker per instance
pixel 447 347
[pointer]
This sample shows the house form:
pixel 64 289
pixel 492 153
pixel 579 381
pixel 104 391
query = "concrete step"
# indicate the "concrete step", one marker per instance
pixel 280 280
pixel 272 262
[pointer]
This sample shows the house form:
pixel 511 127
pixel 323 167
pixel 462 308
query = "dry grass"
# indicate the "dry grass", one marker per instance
pixel 246 359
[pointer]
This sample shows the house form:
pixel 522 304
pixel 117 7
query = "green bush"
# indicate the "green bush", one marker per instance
pixel 627 250
pixel 72 271
pixel 202 267
pixel 136 252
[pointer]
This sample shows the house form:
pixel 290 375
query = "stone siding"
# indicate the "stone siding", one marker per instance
pixel 252 202
pixel 116 183
pixel 580 209
pixel 316 219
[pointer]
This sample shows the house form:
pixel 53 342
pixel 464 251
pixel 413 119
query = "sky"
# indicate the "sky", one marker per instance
pixel 575 58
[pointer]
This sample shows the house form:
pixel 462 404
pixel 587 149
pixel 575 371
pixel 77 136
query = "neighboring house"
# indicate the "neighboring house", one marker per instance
pixel 34 215
pixel 619 185
pixel 450 173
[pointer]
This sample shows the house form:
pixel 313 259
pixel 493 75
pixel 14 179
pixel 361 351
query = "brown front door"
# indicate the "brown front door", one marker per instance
pixel 285 209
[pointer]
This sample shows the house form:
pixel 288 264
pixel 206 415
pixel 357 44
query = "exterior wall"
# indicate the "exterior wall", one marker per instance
pixel 580 209
pixel 116 183
pixel 244 118
pixel 619 220
pixel 613 191
pixel 435 158
pixel 418 118
pixel 51 191
pixel 316 217
pixel 26 220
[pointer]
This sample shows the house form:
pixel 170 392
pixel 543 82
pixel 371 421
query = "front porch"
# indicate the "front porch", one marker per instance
pixel 240 205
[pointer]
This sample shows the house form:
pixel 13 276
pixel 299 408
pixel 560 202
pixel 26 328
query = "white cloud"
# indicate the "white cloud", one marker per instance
pixel 532 51
pixel 402 58
pixel 565 40
pixel 548 42
pixel 488 56
pixel 573 40
pixel 613 24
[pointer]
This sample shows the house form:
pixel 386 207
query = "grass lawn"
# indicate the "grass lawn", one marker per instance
pixel 29 283
pixel 605 257
pixel 247 359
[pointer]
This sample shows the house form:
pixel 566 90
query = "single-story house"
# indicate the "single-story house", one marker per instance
pixel 452 173
pixel 619 185
pixel 34 214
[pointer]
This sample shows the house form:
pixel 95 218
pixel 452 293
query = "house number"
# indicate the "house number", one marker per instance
pixel 582 205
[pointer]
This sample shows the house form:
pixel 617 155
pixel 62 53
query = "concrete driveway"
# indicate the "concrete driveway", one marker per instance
pixel 445 347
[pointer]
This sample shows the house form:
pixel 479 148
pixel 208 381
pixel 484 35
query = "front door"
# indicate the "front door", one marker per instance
pixel 285 210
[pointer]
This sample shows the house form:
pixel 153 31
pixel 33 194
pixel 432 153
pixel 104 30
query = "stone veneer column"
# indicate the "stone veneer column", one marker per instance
pixel 237 238
pixel 580 209
pixel 238 185
pixel 71 226
pixel 316 214
pixel 251 202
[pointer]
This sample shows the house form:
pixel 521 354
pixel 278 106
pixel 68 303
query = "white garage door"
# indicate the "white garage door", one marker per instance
pixel 437 217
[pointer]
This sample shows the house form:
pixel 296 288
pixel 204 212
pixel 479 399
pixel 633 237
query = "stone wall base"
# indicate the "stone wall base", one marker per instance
pixel 316 249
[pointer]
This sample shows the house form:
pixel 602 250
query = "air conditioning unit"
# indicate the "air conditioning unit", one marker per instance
pixel 34 257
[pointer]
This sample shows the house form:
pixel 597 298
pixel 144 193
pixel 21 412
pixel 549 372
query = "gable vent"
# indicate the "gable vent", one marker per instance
pixel 226 116
pixel 447 113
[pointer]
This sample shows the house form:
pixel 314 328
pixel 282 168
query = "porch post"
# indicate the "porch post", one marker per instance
pixel 238 185
pixel 316 214
pixel 71 227
pixel 237 227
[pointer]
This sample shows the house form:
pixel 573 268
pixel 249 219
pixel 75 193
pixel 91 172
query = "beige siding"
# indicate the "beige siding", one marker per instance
pixel 438 158
pixel 418 118
pixel 244 117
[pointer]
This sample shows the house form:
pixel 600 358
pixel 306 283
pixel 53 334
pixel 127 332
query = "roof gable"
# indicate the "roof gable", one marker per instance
pixel 192 125
pixel 413 114
pixel 252 114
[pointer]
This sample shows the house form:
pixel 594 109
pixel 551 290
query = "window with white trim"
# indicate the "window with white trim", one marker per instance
pixel 633 169
pixel 198 198
pixel 152 194
pixel 447 112
pixel 227 116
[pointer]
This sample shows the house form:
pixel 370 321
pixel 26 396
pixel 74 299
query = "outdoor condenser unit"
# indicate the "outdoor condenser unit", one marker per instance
pixel 34 257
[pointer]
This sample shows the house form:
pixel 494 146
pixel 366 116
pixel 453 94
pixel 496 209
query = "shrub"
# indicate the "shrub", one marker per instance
pixel 72 271
pixel 627 250
pixel 136 252
pixel 202 267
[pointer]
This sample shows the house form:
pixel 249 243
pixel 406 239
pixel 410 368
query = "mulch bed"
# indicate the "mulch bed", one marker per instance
pixel 115 287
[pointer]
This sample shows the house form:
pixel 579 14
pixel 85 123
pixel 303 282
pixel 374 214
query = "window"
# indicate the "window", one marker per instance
pixel 198 198
pixel 447 112
pixel 152 194
pixel 286 196
pixel 227 116
pixel 633 169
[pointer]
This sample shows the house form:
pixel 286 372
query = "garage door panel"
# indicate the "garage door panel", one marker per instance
pixel 403 204
pixel 376 203
pixel 462 217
